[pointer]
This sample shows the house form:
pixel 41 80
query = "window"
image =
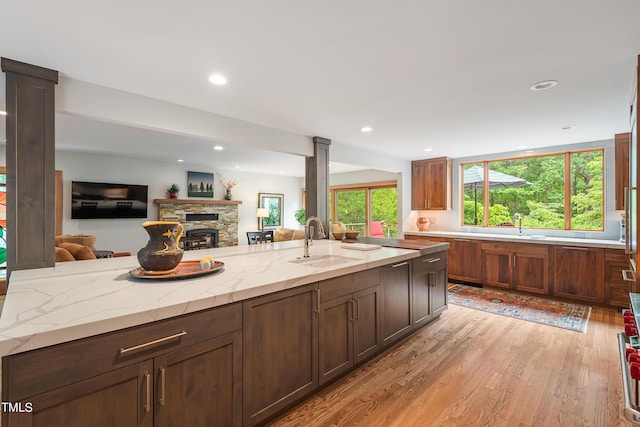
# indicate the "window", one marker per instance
pixel 542 189
pixel 371 209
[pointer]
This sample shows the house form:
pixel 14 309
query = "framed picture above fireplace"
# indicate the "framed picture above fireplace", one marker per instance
pixel 200 184
pixel 273 203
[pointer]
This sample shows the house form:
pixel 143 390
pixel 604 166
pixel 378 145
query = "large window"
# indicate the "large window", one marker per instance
pixel 561 191
pixel 370 208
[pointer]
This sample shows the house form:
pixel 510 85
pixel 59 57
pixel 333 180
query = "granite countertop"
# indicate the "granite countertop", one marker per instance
pixel 79 299
pixel 527 237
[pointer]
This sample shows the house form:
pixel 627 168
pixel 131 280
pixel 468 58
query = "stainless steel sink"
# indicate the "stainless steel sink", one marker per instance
pixel 324 261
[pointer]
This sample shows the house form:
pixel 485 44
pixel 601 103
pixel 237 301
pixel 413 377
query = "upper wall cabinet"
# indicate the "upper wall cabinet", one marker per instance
pixel 622 167
pixel 431 184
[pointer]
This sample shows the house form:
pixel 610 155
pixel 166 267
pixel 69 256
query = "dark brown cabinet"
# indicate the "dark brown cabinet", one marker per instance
pixel 615 287
pixel 465 257
pixel 622 167
pixel 158 374
pixel 280 347
pixel 524 267
pixel 123 397
pixel 200 385
pixel 578 273
pixel 431 184
pixel 429 287
pixel 349 322
pixel 396 301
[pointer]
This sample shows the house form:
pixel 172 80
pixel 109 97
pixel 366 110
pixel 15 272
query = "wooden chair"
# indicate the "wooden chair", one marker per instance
pixel 254 237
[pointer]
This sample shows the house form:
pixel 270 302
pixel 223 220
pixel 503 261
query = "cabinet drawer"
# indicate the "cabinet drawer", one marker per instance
pixel 431 262
pixel 348 284
pixel 614 263
pixel 618 294
pixel 40 370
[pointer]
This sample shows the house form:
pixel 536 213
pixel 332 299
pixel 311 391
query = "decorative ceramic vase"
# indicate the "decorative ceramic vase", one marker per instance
pixel 227 195
pixel 338 229
pixel 424 223
pixel 162 253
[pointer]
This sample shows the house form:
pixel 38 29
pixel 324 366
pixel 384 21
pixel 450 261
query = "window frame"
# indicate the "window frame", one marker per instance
pixel 567 187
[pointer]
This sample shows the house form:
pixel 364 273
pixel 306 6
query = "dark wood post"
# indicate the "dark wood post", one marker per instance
pixel 30 95
pixel 317 182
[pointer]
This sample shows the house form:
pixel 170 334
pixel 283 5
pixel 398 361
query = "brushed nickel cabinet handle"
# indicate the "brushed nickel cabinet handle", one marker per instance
pixel 399 264
pixel 147 402
pixel 462 240
pixel 431 260
pixel 575 248
pixel 357 309
pixel 162 379
pixel 151 343
pixel 317 291
pixel 352 303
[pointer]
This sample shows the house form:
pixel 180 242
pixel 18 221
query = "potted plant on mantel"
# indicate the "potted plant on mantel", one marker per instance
pixel 173 191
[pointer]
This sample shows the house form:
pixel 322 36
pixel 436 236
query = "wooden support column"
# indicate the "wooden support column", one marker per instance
pixel 30 95
pixel 317 182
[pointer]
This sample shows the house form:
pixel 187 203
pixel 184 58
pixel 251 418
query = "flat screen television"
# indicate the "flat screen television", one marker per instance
pixel 106 200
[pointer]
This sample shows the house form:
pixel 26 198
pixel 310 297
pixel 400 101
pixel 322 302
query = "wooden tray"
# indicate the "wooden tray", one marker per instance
pixel 184 270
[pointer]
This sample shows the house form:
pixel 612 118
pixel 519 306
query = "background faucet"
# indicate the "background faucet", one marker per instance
pixel 309 232
pixel 518 217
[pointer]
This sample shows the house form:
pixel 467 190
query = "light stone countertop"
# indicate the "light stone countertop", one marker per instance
pixel 80 299
pixel 527 237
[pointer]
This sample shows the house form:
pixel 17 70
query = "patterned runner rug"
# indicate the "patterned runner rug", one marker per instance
pixel 534 309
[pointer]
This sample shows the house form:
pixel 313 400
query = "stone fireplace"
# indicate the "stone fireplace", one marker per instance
pixel 221 215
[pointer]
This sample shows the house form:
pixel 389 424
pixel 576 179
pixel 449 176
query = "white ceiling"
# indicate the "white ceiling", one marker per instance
pixel 453 76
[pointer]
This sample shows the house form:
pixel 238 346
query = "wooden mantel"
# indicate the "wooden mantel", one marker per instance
pixel 196 202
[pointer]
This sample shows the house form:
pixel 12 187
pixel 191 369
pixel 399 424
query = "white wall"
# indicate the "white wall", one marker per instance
pixel 450 220
pixel 127 234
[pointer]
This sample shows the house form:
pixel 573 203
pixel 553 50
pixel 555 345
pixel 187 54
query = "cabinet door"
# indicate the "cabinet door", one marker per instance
pixel 579 273
pixel 437 185
pixel 616 288
pixel 123 397
pixel 530 272
pixel 280 351
pixel 367 337
pixel 201 384
pixel 465 260
pixel 396 302
pixel 419 185
pixel 421 289
pixel 438 284
pixel 497 268
pixel 336 337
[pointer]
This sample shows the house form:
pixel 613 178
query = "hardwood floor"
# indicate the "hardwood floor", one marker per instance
pixel 471 368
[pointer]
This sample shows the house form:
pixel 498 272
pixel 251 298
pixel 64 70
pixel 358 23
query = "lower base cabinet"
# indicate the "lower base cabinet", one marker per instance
pixel 429 287
pixel 578 273
pixel 350 321
pixel 280 347
pixel 615 287
pixel 144 376
pixel 397 310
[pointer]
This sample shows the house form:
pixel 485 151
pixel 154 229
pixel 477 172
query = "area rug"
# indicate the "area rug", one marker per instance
pixel 533 309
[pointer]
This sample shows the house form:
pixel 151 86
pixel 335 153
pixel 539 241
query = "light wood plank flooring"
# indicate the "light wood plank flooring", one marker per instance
pixel 471 368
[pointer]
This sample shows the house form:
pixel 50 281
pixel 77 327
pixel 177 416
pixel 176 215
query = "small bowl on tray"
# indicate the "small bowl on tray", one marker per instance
pixel 352 234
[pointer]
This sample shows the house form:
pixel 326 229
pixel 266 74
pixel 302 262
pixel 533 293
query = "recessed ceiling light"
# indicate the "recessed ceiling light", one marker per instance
pixel 428 149
pixel 366 129
pixel 217 79
pixel 237 167
pixel 529 151
pixel 568 127
pixel 281 171
pixel 546 84
pixel 180 160
pixel 218 148
pixel 3 113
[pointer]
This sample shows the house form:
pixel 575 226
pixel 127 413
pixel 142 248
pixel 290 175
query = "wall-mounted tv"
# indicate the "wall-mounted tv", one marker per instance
pixel 105 200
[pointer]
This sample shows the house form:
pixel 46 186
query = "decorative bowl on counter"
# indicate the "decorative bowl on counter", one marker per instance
pixel 352 234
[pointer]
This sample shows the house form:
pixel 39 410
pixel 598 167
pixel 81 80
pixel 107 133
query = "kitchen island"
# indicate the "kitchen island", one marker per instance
pixel 250 340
